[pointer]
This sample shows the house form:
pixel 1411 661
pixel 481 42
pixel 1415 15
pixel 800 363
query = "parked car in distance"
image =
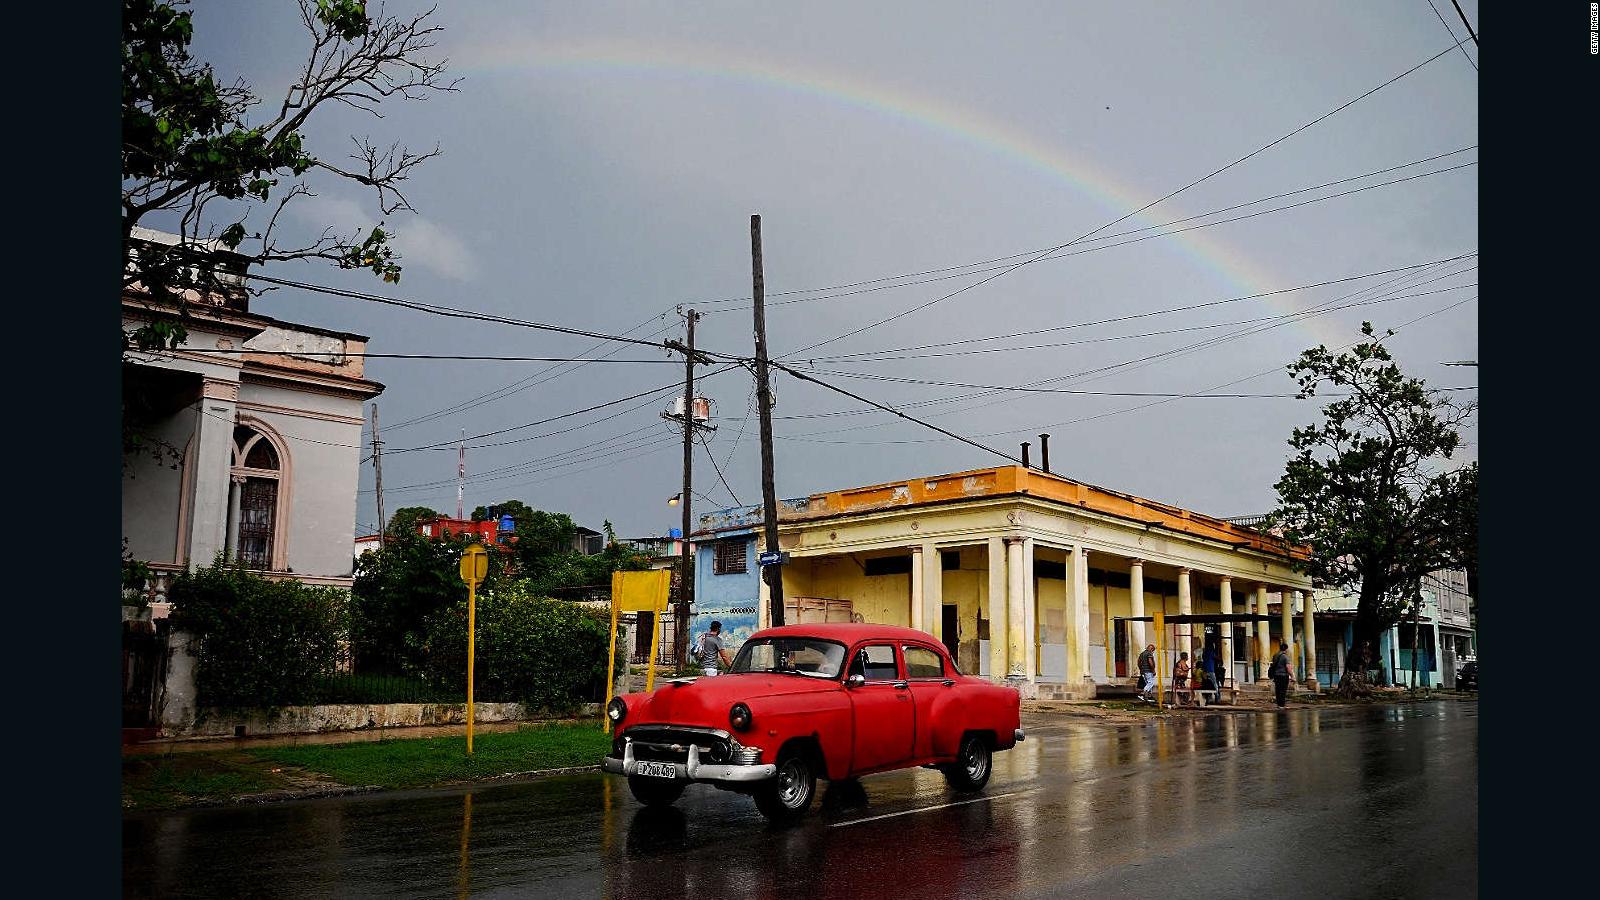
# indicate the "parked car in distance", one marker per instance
pixel 1467 676
pixel 802 702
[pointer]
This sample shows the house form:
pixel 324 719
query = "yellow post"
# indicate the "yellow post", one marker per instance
pixel 1161 627
pixel 472 654
pixel 655 645
pixel 474 568
pixel 611 668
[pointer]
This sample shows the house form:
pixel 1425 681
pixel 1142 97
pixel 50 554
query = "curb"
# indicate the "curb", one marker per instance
pixel 342 790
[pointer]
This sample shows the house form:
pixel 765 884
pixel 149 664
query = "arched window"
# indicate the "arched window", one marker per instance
pixel 256 476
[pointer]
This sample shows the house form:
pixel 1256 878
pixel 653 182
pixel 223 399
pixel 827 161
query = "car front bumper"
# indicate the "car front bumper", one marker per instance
pixel 693 769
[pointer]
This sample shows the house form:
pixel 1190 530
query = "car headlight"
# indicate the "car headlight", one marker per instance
pixel 616 710
pixel 739 717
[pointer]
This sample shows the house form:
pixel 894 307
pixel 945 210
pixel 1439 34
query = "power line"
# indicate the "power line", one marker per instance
pixel 1214 172
pixel 454 312
pixel 879 357
pixel 1453 33
pixel 1146 360
pixel 889 409
pixel 439 356
pixel 1465 22
pixel 522 384
pixel 972 268
pixel 718 469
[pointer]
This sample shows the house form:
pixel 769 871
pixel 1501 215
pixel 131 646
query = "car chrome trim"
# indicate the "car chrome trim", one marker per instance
pixel 693 770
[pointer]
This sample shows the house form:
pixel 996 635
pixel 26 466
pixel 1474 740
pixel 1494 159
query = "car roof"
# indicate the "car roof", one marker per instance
pixel 851 632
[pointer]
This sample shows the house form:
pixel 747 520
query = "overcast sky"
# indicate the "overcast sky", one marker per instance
pixel 601 161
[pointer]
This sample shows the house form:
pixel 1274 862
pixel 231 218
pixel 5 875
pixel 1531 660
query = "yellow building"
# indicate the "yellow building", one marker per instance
pixel 1022 573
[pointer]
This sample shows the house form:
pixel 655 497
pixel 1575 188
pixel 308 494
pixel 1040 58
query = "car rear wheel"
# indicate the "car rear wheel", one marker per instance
pixel 655 791
pixel 970 771
pixel 788 796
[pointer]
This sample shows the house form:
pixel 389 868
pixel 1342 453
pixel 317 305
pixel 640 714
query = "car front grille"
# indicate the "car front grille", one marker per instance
pixel 668 744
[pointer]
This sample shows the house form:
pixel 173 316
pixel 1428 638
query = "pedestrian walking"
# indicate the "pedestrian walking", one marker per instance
pixel 1280 675
pixel 1147 672
pixel 709 653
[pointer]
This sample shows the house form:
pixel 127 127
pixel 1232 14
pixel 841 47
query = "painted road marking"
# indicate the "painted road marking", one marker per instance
pixel 923 809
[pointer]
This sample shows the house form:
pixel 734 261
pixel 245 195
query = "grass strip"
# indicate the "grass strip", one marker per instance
pixel 420 762
pixel 184 779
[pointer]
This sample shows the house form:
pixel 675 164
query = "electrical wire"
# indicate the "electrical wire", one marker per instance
pixel 1213 173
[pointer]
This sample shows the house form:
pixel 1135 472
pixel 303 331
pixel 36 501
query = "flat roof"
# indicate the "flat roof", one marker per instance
pixel 1003 481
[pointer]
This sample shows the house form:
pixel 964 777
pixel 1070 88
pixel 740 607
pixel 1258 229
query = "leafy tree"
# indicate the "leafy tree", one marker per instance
pixel 195 147
pixel 1369 489
pixel 397 587
pixel 405 519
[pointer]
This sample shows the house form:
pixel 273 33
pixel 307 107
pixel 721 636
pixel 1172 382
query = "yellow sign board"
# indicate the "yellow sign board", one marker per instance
pixel 474 565
pixel 640 591
pixel 636 592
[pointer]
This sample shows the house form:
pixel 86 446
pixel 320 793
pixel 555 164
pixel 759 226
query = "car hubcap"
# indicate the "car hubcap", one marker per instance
pixel 791 783
pixel 977 761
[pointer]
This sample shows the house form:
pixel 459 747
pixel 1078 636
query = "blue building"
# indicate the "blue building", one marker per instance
pixel 727 579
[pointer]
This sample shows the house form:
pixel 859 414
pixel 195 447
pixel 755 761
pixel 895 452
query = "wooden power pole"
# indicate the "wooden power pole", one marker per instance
pixel 377 467
pixel 773 574
pixel 680 631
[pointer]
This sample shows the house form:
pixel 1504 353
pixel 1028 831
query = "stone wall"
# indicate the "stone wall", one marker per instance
pixel 341 717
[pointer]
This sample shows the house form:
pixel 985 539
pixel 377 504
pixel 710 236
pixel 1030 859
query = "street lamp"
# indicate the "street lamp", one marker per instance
pixel 673 500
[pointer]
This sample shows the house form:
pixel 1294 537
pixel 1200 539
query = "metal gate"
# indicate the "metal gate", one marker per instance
pixel 144 655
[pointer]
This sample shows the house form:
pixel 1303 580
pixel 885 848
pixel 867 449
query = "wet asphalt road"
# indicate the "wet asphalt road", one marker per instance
pixel 1339 802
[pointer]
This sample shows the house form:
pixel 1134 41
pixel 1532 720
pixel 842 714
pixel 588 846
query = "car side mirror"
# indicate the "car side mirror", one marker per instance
pixel 856 680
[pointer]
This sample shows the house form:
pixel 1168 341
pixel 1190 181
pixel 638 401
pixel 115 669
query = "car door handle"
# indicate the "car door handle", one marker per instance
pixel 949 683
pixel 901 685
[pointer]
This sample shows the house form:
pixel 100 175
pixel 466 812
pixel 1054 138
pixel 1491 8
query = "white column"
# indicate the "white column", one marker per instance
pixel 1286 613
pixel 1308 627
pixel 999 618
pixel 1030 609
pixel 918 587
pixel 1225 630
pixel 763 599
pixel 1249 638
pixel 1136 607
pixel 932 591
pixel 1078 616
pixel 1017 638
pixel 212 461
pixel 235 488
pixel 1263 634
pixel 1185 607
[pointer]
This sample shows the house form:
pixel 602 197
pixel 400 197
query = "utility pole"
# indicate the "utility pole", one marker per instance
pixel 680 631
pixel 377 466
pixel 769 498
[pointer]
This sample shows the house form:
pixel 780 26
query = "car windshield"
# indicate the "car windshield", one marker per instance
pixel 790 655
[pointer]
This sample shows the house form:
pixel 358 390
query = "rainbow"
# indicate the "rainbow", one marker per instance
pixel 995 136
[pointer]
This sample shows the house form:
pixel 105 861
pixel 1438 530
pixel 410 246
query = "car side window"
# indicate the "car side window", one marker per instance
pixel 875 662
pixel 923 663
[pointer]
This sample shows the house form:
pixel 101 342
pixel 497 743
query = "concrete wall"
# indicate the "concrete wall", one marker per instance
pixel 346 717
pixel 881 599
pixel 725 598
pixel 151 489
pixel 322 434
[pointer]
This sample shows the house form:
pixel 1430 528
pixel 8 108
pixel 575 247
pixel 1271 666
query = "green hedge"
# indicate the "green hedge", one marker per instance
pixel 533 650
pixel 260 643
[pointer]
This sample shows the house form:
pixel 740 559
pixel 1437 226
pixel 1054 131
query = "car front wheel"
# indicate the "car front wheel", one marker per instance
pixel 788 796
pixel 970 771
pixel 655 791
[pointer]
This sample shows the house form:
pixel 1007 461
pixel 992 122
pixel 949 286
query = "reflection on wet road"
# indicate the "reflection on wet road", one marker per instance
pixel 1340 802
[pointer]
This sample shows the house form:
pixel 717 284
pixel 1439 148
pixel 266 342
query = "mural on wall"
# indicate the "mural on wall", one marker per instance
pixel 738 618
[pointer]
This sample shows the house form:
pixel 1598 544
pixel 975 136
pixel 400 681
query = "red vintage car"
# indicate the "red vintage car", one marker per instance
pixel 803 702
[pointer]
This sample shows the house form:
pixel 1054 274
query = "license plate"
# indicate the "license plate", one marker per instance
pixel 657 769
